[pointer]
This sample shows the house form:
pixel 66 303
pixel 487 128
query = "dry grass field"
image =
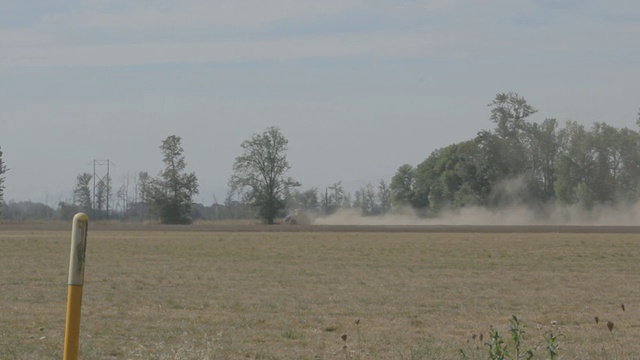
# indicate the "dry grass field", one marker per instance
pixel 292 295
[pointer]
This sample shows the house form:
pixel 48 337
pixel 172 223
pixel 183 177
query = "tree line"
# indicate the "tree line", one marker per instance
pixel 519 162
pixel 526 163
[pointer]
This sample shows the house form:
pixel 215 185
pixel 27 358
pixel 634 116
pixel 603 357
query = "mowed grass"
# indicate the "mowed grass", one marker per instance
pixel 198 295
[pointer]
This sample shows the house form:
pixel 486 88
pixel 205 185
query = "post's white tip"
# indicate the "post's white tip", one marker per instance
pixel 81 217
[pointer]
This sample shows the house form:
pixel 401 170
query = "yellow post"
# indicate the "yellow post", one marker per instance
pixel 76 279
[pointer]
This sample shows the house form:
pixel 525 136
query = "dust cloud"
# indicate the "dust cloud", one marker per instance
pixel 599 216
pixel 511 210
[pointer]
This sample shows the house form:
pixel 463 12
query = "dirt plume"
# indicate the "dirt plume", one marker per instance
pixel 513 215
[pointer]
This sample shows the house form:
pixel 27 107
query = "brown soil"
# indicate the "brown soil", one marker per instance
pixel 231 227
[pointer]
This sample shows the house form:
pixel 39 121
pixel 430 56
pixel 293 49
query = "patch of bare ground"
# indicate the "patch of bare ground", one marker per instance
pixel 255 226
pixel 167 294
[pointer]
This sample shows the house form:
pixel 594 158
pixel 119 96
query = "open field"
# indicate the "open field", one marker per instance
pixel 158 294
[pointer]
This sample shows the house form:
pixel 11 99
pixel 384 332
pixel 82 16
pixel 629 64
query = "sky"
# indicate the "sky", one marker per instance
pixel 357 87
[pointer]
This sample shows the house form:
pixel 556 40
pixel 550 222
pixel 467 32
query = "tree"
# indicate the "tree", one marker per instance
pixel 170 194
pixel 369 206
pixel 260 170
pixel 136 206
pixel 403 185
pixel 102 197
pixel 27 210
pixel 365 200
pixel 544 145
pixel 506 148
pixel 334 198
pixel 450 177
pixel 509 111
pixel 576 165
pixel 384 196
pixel 82 192
pixel 3 170
pixel 629 182
pixel 307 200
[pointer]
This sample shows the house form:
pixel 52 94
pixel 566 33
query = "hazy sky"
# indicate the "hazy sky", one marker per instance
pixel 358 87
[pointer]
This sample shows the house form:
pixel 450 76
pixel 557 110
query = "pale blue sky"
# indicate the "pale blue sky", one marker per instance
pixel 358 87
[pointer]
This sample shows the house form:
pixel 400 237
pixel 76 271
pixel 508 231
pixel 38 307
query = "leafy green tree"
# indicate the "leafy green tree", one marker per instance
pixel 524 163
pixel 170 194
pixel 584 195
pixel 607 147
pixel 509 112
pixel 505 149
pixel 629 179
pixel 576 164
pixel 428 193
pixel 82 192
pixel 451 177
pixel 260 170
pixel 544 147
pixel 503 158
pixel 3 170
pixel 402 186
pixel 464 179
pixel 597 166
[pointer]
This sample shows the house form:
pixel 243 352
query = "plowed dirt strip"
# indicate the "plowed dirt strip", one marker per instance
pixel 224 227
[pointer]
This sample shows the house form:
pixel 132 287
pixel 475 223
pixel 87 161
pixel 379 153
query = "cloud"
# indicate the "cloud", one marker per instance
pixel 15 38
pixel 374 45
pixel 109 22
pixel 115 33
pixel 196 13
pixel 112 33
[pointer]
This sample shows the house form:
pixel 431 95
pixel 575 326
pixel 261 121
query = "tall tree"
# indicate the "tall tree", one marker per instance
pixel 451 177
pixel 103 197
pixel 143 184
pixel 260 170
pixel 509 112
pixel 384 196
pixel 3 170
pixel 576 165
pixel 543 142
pixel 629 179
pixel 82 192
pixel 506 148
pixel 369 206
pixel 137 207
pixel 170 195
pixel 403 186
pixel 334 198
